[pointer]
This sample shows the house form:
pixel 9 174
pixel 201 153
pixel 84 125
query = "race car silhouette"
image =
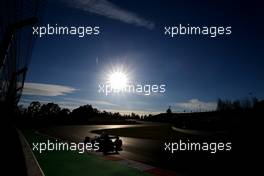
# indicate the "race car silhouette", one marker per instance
pixel 107 143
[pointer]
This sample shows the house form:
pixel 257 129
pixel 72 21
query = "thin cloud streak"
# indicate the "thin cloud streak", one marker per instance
pixel 196 105
pixel 108 9
pixel 40 89
pixel 92 102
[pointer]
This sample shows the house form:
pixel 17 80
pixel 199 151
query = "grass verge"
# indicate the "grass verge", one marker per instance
pixel 69 163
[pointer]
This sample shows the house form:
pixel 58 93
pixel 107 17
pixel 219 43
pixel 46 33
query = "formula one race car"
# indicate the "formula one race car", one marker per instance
pixel 107 143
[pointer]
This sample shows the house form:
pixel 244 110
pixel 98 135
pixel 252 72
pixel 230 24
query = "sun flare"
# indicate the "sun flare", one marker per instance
pixel 118 80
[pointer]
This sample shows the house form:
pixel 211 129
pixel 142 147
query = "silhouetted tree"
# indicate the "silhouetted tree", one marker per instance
pixel 236 105
pixel 84 111
pixel 64 112
pixel 49 109
pixel 169 110
pixel 224 105
pixel 254 101
pixel 33 108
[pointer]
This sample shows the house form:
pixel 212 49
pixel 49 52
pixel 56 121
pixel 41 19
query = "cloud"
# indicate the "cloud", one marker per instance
pixel 195 105
pixel 51 90
pixel 92 102
pixel 108 9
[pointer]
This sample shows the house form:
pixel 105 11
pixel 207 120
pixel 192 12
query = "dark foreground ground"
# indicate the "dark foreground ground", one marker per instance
pixel 145 143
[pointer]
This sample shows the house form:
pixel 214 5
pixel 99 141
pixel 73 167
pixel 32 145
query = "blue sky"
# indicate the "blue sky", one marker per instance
pixel 196 69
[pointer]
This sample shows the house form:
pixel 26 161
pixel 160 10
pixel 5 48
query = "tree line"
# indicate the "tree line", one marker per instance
pixel 52 110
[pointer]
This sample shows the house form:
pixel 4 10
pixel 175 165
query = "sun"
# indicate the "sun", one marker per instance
pixel 118 80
